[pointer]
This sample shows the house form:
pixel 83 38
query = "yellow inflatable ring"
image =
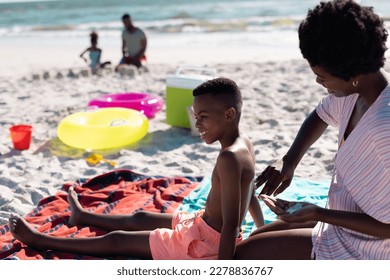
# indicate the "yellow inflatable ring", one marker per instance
pixel 104 128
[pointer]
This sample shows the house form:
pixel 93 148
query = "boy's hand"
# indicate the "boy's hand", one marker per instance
pixel 290 211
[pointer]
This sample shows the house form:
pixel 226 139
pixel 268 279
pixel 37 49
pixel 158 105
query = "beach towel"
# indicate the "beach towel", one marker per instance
pixel 300 190
pixel 127 192
pixel 117 192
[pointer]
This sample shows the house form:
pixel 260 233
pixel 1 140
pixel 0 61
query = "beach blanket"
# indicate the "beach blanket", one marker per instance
pixel 118 192
pixel 126 192
pixel 300 190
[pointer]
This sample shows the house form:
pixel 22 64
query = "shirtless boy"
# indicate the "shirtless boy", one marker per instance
pixel 208 234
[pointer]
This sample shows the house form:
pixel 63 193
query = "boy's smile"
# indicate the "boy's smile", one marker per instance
pixel 209 114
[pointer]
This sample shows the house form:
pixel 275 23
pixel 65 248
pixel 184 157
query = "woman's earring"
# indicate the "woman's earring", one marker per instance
pixel 355 83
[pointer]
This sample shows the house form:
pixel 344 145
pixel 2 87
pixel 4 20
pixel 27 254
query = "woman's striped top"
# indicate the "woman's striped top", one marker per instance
pixel 361 178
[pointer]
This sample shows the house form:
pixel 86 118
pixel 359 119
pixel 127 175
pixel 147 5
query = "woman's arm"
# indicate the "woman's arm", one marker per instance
pixel 277 177
pixel 359 222
pixel 311 130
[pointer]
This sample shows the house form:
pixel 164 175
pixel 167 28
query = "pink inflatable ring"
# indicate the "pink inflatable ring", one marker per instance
pixel 143 102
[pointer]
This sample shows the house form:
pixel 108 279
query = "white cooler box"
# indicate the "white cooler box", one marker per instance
pixel 179 93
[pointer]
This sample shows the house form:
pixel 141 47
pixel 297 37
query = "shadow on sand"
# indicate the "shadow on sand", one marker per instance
pixel 154 142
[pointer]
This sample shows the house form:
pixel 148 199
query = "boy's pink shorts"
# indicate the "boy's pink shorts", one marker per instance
pixel 190 238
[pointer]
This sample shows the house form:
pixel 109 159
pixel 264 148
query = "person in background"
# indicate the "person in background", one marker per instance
pixel 133 44
pixel 95 54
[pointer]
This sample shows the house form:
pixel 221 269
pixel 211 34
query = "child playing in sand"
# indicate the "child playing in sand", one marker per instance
pixel 95 54
pixel 208 234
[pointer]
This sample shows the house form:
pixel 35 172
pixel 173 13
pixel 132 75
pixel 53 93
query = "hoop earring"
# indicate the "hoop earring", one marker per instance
pixel 355 83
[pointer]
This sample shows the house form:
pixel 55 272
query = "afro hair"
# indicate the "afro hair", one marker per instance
pixel 344 38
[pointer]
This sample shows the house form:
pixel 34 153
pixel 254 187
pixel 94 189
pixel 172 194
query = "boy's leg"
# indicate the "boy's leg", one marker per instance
pixel 135 222
pixel 116 243
pixel 290 244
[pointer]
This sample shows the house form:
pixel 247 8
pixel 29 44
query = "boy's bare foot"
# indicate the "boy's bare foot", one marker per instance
pixel 23 232
pixel 75 208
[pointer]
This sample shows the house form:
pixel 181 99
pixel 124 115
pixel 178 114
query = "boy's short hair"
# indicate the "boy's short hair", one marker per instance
pixel 225 88
pixel 344 38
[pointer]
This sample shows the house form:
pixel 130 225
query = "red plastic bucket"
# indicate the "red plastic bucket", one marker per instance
pixel 21 136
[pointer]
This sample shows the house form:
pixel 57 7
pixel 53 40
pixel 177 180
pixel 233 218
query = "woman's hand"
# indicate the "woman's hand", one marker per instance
pixel 277 177
pixel 291 211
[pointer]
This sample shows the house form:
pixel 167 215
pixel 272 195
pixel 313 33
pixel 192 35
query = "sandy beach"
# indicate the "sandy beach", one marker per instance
pixel 279 90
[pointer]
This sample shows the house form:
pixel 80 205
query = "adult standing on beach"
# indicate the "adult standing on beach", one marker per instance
pixel 344 44
pixel 133 43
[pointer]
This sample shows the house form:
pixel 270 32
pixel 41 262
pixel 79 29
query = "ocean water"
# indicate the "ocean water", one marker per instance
pixel 79 17
pixel 255 30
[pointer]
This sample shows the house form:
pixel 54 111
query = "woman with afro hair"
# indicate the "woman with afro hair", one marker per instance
pixel 344 44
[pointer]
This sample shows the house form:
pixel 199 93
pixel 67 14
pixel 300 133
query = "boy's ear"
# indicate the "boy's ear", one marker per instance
pixel 230 114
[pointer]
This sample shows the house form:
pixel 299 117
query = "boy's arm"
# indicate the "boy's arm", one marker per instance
pixel 230 179
pixel 256 211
